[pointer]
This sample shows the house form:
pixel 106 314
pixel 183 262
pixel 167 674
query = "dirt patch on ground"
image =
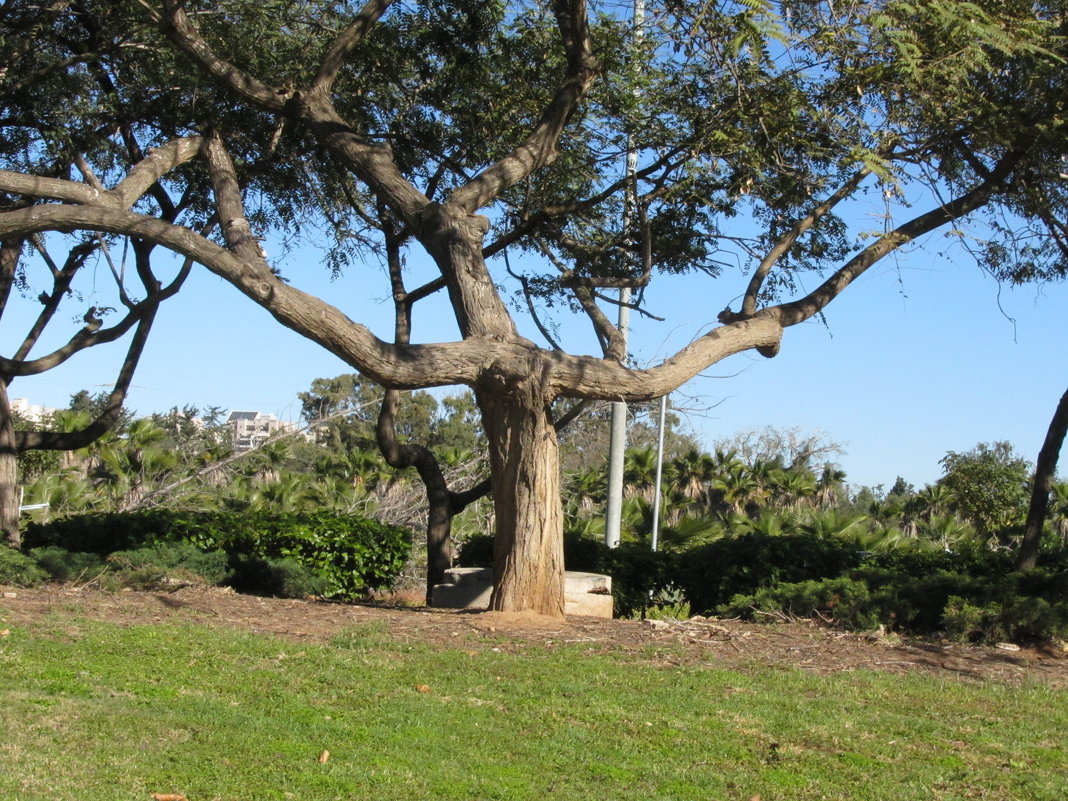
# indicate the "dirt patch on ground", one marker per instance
pixel 716 643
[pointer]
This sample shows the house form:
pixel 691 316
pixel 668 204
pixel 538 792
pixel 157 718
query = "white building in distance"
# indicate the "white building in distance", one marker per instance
pixel 252 429
pixel 32 412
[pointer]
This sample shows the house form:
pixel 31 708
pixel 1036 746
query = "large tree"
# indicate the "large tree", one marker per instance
pixel 988 487
pixel 490 131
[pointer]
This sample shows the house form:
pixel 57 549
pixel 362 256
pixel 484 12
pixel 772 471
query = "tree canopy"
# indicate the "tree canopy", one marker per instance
pixel 493 138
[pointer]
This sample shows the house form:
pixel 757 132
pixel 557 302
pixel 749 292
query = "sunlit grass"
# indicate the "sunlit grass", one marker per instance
pixel 96 711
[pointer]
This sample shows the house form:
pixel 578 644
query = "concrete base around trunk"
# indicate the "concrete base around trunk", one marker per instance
pixel 588 594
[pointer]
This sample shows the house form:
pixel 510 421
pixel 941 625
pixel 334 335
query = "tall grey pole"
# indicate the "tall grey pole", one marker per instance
pixel 618 443
pixel 617 446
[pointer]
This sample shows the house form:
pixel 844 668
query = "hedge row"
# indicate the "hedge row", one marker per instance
pixel 351 555
pixel 973 595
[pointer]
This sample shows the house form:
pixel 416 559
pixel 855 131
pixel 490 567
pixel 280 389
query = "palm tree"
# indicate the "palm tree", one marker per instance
pixel 792 488
pixel 883 536
pixel 738 487
pixel 639 473
pixel 691 476
pixel 585 490
pixel 451 456
pixel 129 465
pixel 769 523
pixel 830 486
pixel 832 523
pixel 689 531
pixel 946 531
pixel 68 492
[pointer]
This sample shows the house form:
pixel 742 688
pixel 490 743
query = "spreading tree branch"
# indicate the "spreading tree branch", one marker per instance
pixel 804 308
pixel 787 240
pixel 540 147
pixel 105 421
pixel 346 42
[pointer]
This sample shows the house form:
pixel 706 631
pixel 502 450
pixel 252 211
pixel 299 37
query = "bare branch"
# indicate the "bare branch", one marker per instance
pixel 525 284
pixel 630 305
pixel 403 367
pixel 349 39
pixel 532 222
pixel 804 308
pixel 62 279
pixel 87 173
pixel 609 337
pixel 139 180
pixel 154 166
pixel 787 240
pixel 69 441
pixel 539 148
pixel 235 228
pixel 118 274
pixel 56 189
pixel 426 290
pixel 176 26
pixel 90 335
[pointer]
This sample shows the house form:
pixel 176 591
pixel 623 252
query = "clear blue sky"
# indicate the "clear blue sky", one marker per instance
pixel 916 359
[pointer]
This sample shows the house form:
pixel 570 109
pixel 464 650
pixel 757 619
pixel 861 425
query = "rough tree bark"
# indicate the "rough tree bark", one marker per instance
pixel 1045 471
pixel 9 491
pixel 528 545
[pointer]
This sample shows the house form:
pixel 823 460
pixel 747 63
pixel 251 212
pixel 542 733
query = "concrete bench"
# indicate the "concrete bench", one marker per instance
pixel 588 594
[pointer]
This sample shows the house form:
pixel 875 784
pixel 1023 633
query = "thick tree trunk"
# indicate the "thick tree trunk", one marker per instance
pixel 528 548
pixel 438 540
pixel 9 490
pixel 1045 470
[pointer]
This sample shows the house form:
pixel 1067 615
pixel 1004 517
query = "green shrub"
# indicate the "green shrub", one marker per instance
pixel 969 560
pixel 1032 619
pixel 638 576
pixel 715 573
pixel 841 601
pixel 283 578
pixel 1022 619
pixel 179 560
pixel 962 621
pixel 1019 607
pixel 64 565
pixel 668 604
pixel 351 554
pixel 19 570
pixel 476 551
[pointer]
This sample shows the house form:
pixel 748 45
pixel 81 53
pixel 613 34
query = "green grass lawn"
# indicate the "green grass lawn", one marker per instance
pixel 93 711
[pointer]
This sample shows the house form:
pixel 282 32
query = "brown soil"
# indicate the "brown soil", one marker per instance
pixel 716 643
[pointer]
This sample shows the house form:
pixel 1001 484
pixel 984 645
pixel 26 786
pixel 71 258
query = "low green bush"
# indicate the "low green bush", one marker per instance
pixel 641 578
pixel 715 573
pixel 284 578
pixel 841 601
pixel 179 560
pixel 352 555
pixel 18 569
pixel 64 565
pixel 1018 607
pixel 1020 618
